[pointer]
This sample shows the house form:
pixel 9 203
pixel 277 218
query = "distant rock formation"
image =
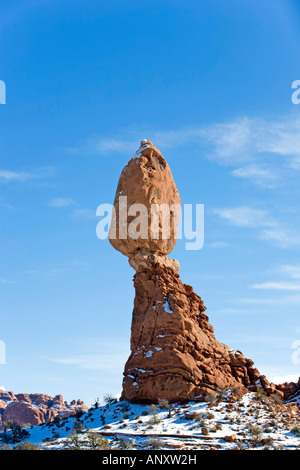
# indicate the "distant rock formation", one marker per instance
pixel 174 353
pixel 34 409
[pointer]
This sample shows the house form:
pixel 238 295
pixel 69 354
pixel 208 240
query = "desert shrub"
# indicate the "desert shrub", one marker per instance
pixel 55 434
pixel 58 421
pixel 200 418
pixel 256 436
pixel 16 434
pixel 276 399
pixel 266 442
pixel 261 395
pixel 273 423
pixel 210 397
pixel 154 419
pixel 78 425
pixel 126 444
pixel 255 431
pixel 25 446
pixel 240 446
pixel 237 392
pixel 73 442
pixel 163 403
pixel 155 444
pixel 222 392
pixel 296 430
pixel 5 447
pixel 125 405
pixel 96 405
pixel 94 441
pixel 109 399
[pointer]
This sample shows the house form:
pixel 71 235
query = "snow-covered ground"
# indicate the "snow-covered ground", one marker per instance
pixel 250 423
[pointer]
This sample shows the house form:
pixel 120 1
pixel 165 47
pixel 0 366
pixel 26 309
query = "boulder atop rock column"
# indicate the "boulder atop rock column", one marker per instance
pixel 146 203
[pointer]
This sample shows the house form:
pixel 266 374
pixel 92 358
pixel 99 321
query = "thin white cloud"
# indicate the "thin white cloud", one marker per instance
pixel 258 150
pixel 97 354
pixel 244 216
pixel 230 141
pixel 292 271
pixel 54 273
pixel 249 139
pixel 105 146
pixel 37 174
pixel 288 271
pixel 281 300
pixel 284 238
pixel 279 285
pixel 61 202
pixel 104 362
pixel 259 174
pixel 7 175
pixel 6 281
pixel 267 227
pixel 87 214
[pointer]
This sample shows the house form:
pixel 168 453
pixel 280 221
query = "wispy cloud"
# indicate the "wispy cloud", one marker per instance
pixel 88 214
pixel 283 237
pixel 267 227
pixel 37 174
pixel 7 175
pixel 292 271
pixel 281 300
pixel 61 202
pixel 279 285
pixel 244 216
pixel 6 281
pixel 288 271
pixel 104 146
pixel 102 354
pixel 56 272
pixel 259 174
pixel 258 150
pixel 250 139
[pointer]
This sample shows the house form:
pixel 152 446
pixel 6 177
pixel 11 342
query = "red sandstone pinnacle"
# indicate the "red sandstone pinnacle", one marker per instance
pixel 174 353
pixel 145 182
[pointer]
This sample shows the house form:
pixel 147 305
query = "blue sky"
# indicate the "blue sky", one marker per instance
pixel 209 82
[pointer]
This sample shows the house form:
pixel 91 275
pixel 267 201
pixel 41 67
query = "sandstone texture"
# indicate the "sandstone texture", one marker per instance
pixel 174 352
pixel 146 180
pixel 34 409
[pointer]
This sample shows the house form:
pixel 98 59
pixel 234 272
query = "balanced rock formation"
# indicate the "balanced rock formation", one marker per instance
pixel 174 352
pixel 144 183
pixel 35 408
